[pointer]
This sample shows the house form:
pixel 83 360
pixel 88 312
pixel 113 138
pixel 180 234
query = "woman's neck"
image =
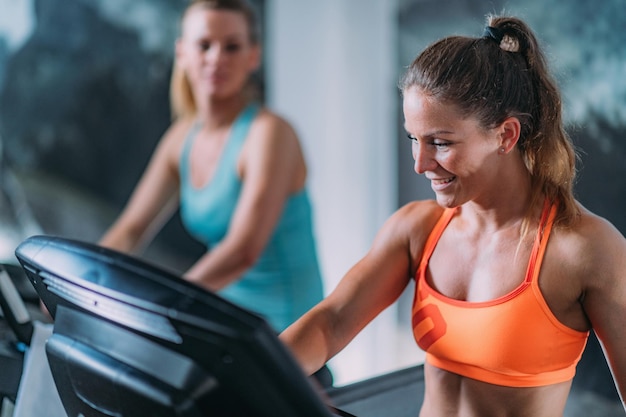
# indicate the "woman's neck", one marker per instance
pixel 219 113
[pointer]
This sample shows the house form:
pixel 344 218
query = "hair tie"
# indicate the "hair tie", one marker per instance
pixel 493 33
pixel 506 42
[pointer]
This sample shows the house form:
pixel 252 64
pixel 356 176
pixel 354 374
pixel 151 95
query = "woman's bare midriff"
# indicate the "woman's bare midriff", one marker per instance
pixel 452 395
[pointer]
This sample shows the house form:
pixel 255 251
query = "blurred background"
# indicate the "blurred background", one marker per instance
pixel 84 99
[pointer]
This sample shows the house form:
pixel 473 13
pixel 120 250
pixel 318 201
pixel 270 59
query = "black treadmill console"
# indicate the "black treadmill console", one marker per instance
pixel 131 339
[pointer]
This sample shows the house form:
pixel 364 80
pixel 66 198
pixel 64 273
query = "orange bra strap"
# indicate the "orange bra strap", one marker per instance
pixel 548 215
pixel 433 238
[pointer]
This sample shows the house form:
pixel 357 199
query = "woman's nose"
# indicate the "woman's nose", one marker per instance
pixel 214 54
pixel 421 156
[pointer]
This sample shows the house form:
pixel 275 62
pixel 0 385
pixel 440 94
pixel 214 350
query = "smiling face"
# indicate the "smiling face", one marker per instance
pixel 216 52
pixel 458 156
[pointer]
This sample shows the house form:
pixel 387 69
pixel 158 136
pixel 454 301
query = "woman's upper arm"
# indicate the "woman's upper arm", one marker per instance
pixel 153 199
pixel 381 276
pixel 271 161
pixel 605 297
pixel 369 287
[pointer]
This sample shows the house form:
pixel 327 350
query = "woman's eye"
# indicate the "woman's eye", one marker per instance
pixel 233 47
pixel 204 46
pixel 437 143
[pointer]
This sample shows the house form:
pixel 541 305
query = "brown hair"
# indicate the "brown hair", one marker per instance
pixel 493 79
pixel 182 102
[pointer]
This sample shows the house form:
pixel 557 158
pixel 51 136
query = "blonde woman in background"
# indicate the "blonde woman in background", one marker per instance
pixel 235 168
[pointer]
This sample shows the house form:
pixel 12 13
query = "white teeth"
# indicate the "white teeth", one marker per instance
pixel 445 181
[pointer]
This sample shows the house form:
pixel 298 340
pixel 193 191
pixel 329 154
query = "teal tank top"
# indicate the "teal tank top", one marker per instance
pixel 285 281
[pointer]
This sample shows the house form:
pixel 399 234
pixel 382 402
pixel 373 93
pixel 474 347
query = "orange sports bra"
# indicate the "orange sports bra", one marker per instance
pixel 514 340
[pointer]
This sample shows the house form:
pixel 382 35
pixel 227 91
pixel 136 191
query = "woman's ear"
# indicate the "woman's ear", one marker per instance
pixel 509 133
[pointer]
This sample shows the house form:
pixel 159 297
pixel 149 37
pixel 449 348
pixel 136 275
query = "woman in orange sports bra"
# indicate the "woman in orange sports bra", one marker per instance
pixel 511 271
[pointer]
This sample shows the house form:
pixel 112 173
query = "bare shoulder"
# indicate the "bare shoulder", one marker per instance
pixel 420 215
pixel 594 248
pixel 179 128
pixel 270 118
pixel 269 126
pixel 411 225
pixel 175 135
pixel 272 153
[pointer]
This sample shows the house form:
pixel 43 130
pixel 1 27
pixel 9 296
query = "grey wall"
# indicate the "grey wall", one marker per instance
pixel 331 71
